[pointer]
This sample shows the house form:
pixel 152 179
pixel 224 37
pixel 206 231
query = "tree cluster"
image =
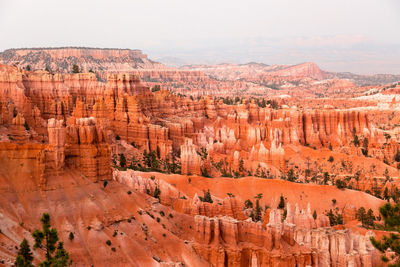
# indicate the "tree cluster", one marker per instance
pixel 152 162
pixel 391 217
pixel 75 69
pixel 206 197
pixel 366 218
pixel 47 240
pixel 156 88
pixel 256 211
pixel 335 218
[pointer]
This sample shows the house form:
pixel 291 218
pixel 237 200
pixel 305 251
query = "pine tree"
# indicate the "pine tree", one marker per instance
pixel 334 218
pixel 397 156
pixel 241 165
pixel 61 258
pixel 207 197
pixel 315 215
pixel 281 204
pixel 24 256
pixel 122 160
pixel 370 218
pixel 26 126
pixel 291 177
pixel 71 236
pixel 157 192
pixel 158 152
pixel 252 215
pixel 257 214
pixel 326 178
pixel 395 194
pixel 391 217
pixel 47 239
pixel 248 204
pixel 75 69
pixel 386 194
pixel 361 215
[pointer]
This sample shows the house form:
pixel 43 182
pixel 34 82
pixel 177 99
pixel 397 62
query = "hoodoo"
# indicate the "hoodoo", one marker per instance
pixel 226 182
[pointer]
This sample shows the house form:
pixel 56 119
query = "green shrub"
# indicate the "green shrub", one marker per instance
pixel 207 197
pixel 75 68
pixel 281 204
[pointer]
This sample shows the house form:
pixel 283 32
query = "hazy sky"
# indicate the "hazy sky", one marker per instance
pixel 361 36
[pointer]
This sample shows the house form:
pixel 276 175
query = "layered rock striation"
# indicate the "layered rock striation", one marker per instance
pixel 73 127
pixel 163 122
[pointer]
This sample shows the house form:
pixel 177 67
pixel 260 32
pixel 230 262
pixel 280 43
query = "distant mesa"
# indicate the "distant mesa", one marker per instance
pixel 63 58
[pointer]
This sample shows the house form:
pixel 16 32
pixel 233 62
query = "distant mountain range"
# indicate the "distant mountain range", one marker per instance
pixel 363 80
pixel 62 59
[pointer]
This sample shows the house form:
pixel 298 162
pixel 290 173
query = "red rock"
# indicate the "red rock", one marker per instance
pixel 190 160
pixel 78 124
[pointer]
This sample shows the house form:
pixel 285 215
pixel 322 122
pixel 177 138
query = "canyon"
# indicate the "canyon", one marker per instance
pixel 164 162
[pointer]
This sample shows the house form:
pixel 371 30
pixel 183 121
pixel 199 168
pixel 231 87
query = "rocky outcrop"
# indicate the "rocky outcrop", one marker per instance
pixel 87 149
pixel 226 240
pixel 56 149
pixel 19 132
pixel 190 160
pixel 303 219
pixel 170 196
pixel 224 237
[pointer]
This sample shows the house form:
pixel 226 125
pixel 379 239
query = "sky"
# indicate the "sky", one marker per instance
pixel 360 36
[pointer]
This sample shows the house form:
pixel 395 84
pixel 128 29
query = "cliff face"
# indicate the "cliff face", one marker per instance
pixel 88 150
pixel 252 245
pixel 122 107
pixel 190 160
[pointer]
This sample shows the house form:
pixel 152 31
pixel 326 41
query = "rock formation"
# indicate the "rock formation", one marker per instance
pixel 57 142
pixel 95 59
pixel 87 149
pixel 190 160
pixel 223 238
pixel 62 133
pixel 226 240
